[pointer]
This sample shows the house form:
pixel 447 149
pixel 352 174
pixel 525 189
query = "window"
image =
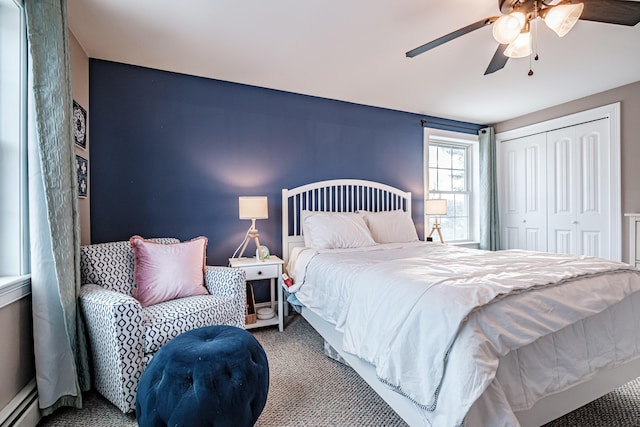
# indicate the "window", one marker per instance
pixel 13 156
pixel 451 173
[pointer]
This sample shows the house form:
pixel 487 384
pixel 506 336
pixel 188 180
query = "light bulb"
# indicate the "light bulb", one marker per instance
pixel 520 47
pixel 562 18
pixel 507 28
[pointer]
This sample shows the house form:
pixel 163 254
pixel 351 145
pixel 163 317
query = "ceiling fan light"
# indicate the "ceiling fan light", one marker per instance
pixel 520 47
pixel 562 18
pixel 507 28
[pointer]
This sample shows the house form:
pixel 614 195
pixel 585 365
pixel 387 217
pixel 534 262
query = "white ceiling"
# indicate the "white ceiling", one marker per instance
pixel 354 50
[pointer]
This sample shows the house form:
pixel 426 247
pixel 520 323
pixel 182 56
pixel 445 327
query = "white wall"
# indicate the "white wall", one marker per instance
pixel 80 89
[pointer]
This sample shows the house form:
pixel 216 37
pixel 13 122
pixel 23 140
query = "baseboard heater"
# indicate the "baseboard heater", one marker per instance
pixel 23 409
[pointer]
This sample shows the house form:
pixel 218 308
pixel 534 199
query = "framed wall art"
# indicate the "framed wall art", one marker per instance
pixel 82 170
pixel 79 125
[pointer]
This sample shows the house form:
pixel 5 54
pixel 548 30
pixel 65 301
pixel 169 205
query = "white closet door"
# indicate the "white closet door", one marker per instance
pixel 578 182
pixel 578 177
pixel 522 186
pixel 562 171
pixel 593 201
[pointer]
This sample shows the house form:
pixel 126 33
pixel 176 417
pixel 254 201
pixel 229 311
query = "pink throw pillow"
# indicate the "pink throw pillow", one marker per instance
pixel 163 272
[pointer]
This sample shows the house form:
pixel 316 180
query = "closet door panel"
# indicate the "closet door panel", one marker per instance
pixel 561 194
pixel 512 204
pixel 593 202
pixel 523 189
pixel 578 202
pixel 563 241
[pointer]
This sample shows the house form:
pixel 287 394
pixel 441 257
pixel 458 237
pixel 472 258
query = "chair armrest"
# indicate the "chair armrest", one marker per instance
pixel 95 294
pixel 115 329
pixel 225 281
pixel 229 283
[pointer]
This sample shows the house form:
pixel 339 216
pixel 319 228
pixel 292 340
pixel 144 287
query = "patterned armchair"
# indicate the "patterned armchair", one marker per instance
pixel 124 336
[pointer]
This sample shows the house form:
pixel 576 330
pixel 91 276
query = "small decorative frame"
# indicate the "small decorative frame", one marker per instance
pixel 82 170
pixel 79 125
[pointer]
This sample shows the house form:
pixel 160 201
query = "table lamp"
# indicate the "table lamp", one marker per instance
pixel 436 207
pixel 253 208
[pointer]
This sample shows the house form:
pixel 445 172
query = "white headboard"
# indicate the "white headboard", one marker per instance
pixel 339 195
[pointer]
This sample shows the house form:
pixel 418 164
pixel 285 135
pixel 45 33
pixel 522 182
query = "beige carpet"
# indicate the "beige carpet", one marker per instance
pixel 309 389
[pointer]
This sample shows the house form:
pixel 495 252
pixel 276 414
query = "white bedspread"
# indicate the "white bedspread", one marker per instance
pixel 435 319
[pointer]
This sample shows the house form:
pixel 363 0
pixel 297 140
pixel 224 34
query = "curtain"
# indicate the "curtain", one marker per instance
pixel 489 221
pixel 60 349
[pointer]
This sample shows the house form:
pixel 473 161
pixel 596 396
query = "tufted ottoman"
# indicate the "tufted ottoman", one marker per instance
pixel 212 376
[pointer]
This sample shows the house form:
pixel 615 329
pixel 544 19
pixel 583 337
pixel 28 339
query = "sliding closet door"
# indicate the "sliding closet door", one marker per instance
pixel 578 182
pixel 522 187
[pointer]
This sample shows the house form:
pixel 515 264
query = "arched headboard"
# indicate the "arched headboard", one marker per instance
pixel 338 195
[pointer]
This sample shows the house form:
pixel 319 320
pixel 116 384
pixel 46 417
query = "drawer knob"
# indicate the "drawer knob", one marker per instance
pixel 259 273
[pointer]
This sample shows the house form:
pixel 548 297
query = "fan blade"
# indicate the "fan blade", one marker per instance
pixel 454 35
pixel 619 12
pixel 498 61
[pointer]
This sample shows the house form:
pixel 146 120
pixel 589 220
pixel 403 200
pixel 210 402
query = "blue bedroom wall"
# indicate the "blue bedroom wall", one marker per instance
pixel 171 153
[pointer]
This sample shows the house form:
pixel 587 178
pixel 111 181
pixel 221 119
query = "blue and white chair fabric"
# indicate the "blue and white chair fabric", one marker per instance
pixel 124 336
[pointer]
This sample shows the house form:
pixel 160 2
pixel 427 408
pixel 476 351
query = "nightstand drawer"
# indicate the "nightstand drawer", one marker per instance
pixel 258 272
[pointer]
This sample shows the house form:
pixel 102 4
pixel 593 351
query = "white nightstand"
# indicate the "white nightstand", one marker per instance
pixel 271 268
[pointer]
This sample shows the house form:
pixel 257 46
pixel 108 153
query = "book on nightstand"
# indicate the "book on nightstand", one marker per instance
pixel 250 316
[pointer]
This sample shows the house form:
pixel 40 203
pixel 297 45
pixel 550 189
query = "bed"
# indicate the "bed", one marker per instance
pixel 386 307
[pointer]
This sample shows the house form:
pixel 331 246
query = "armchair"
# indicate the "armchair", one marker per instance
pixel 124 336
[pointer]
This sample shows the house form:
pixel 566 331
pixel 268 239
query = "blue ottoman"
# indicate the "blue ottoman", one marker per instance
pixel 212 376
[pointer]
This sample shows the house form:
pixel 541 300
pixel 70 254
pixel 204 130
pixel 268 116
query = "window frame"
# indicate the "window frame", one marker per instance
pixel 16 286
pixel 471 144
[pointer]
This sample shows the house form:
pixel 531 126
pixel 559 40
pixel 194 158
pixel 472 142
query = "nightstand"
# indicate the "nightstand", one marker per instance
pixel 271 268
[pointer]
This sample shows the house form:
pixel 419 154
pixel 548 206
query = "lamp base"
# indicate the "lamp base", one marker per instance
pixel 436 227
pixel 252 235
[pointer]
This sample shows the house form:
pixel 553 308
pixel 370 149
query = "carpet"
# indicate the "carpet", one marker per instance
pixel 309 389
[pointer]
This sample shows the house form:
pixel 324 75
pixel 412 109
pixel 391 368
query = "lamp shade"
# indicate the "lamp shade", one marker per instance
pixel 435 207
pixel 253 207
pixel 562 18
pixel 521 47
pixel 507 28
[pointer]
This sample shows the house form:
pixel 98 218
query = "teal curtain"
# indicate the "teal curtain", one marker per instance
pixel 489 217
pixel 60 349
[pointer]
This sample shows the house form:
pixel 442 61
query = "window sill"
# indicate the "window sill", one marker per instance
pixel 14 288
pixel 469 244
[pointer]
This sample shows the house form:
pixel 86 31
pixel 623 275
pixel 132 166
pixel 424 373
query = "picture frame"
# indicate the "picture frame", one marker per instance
pixel 82 172
pixel 79 124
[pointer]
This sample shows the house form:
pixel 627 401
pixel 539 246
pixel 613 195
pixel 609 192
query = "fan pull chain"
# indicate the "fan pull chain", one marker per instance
pixel 534 45
pixel 534 39
pixel 536 34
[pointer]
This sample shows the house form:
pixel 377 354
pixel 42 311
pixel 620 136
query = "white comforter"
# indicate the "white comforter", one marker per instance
pixel 435 319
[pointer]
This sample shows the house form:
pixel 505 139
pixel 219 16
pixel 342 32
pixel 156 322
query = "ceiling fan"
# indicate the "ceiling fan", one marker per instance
pixel 512 29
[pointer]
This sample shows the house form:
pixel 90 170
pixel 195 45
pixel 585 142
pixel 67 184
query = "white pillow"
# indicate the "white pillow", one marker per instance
pixel 391 226
pixel 335 230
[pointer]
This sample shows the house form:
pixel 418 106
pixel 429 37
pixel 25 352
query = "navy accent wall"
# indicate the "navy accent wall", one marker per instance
pixel 171 153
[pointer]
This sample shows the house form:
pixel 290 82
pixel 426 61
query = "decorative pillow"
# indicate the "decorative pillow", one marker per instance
pixel 334 230
pixel 391 226
pixel 163 272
